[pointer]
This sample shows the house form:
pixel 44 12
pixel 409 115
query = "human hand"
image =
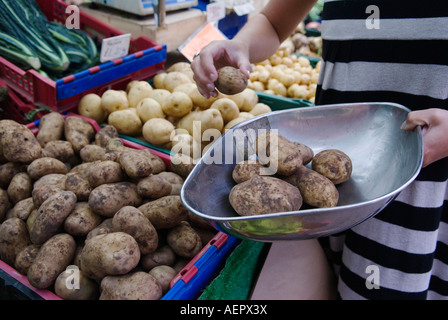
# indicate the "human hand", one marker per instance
pixel 434 123
pixel 214 56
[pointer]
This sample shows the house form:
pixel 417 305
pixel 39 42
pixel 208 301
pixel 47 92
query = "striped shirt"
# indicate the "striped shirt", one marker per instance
pixel 391 51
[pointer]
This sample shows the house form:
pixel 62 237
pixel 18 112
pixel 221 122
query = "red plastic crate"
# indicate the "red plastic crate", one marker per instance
pixel 146 59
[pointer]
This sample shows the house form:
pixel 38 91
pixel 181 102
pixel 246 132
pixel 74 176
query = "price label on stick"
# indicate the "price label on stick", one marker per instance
pixel 202 37
pixel 115 47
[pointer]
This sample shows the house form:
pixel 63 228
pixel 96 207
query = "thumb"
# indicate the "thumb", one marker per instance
pixel 414 119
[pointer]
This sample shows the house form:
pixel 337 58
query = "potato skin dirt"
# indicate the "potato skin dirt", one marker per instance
pixel 230 80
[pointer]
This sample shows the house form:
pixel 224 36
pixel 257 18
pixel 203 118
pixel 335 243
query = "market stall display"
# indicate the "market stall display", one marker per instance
pixel 51 206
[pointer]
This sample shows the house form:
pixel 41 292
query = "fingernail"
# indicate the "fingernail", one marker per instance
pixel 210 87
pixel 212 77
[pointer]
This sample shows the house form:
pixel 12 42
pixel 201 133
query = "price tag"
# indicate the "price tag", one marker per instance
pixel 115 47
pixel 216 11
pixel 244 9
pixel 202 37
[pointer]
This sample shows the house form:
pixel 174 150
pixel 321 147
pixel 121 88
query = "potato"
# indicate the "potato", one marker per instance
pixel 19 144
pixel 114 100
pixel 278 151
pixel 246 169
pixel 90 106
pixel 51 128
pixel 103 228
pixel 160 94
pixel 184 143
pixel 317 190
pixel 8 171
pixel 4 204
pixel 333 164
pixel 187 122
pixel 138 91
pixel 231 80
pixel 211 119
pixel 199 100
pixel 21 209
pixel 157 131
pixel 14 238
pixel 136 165
pixel 165 212
pixel 149 108
pixel 114 253
pixel 51 215
pixel 93 152
pixel 78 132
pixel 20 187
pixel 159 79
pixel 132 221
pixel 46 165
pixel 58 149
pixel 184 240
pixel 106 133
pixel 250 99
pixel 103 172
pixel 164 255
pixel 171 177
pixel 81 220
pixel 153 187
pixel 51 179
pixel 108 198
pixel 84 288
pixel 126 121
pixel 42 193
pixel 177 104
pixel 163 274
pixel 158 165
pixel 173 79
pixel 233 123
pixel 53 257
pixel 227 107
pixel 182 164
pixel 135 286
pixel 180 67
pixel 260 108
pixel 263 194
pixel 26 257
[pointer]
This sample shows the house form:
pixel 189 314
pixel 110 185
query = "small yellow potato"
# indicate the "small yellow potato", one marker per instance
pixel 113 100
pixel 227 107
pixel 158 131
pixel 137 92
pixel 126 121
pixel 177 104
pixel 158 80
pixel 174 79
pixel 90 106
pixel 149 108
pixel 260 108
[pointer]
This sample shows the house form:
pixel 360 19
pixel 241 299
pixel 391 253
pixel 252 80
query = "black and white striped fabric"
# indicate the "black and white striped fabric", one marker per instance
pixel 391 51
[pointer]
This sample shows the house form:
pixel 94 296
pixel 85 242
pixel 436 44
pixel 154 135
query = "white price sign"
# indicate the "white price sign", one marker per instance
pixel 115 47
pixel 216 11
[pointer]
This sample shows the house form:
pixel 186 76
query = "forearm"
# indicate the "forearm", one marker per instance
pixel 265 31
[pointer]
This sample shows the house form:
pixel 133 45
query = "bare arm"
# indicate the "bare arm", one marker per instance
pixel 256 41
